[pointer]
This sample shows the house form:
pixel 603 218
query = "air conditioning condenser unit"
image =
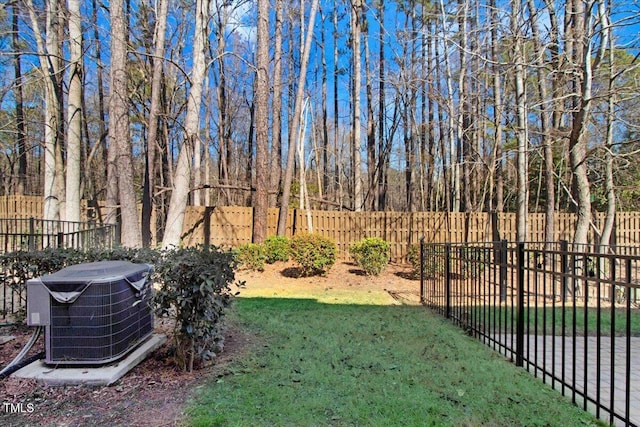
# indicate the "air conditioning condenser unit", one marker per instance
pixel 93 313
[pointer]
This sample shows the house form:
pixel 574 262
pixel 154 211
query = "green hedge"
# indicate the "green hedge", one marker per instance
pixel 277 249
pixel 372 254
pixel 314 253
pixel 251 256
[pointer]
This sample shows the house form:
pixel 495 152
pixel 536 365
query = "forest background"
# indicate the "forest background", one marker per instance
pixel 464 106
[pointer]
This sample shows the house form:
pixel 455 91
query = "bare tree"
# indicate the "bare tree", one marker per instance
pixel 295 121
pixel 153 122
pixel 182 176
pixel 356 30
pixel 545 123
pixel 276 129
pixel 121 170
pixel 370 198
pixel 522 126
pixel 261 102
pixel 583 36
pixel 74 113
pixel 20 120
pixel 498 109
pixel 49 55
pixel 382 164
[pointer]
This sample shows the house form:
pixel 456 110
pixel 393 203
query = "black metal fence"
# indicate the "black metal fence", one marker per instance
pixel 568 314
pixel 37 234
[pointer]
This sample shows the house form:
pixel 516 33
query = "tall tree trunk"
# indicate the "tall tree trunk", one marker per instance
pixel 609 222
pixel 276 130
pixel 430 121
pixel 464 121
pixel 250 139
pixel 336 115
pixel 445 126
pixel 49 57
pixel 295 122
pixel 425 160
pixel 102 114
pixel 182 177
pixel 545 126
pixel 119 133
pixel 581 101
pixel 521 132
pixel 449 138
pixel 74 113
pixel 371 130
pixel 155 109
pixel 324 170
pixel 356 10
pixel 21 135
pixel 224 142
pixel 382 149
pixel 497 110
pixel 261 102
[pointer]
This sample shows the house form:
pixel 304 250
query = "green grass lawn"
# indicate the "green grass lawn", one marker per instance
pixel 346 365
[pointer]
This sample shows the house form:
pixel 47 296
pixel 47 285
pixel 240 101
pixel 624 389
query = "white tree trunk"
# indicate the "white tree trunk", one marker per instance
pixel 356 8
pixel 182 176
pixel 49 66
pixel 295 122
pixel 74 113
pixel 521 132
pixel 610 218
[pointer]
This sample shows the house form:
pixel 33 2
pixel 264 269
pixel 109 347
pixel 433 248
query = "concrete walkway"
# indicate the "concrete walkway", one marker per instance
pixel 540 350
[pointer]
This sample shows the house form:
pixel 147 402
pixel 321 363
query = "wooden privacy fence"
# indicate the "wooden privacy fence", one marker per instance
pixel 25 207
pixel 232 225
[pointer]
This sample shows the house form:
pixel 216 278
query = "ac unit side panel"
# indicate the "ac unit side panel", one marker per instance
pixel 38 306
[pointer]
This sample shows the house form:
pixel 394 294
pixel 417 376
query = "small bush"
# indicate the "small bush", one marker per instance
pixel 413 257
pixel 433 260
pixel 195 290
pixel 315 254
pixel 372 254
pixel 277 248
pixel 252 256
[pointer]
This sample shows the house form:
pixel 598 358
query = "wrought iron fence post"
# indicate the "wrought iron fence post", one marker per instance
pixel 503 270
pixel 422 286
pixel 564 268
pixel 32 230
pixel 447 279
pixel 520 313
